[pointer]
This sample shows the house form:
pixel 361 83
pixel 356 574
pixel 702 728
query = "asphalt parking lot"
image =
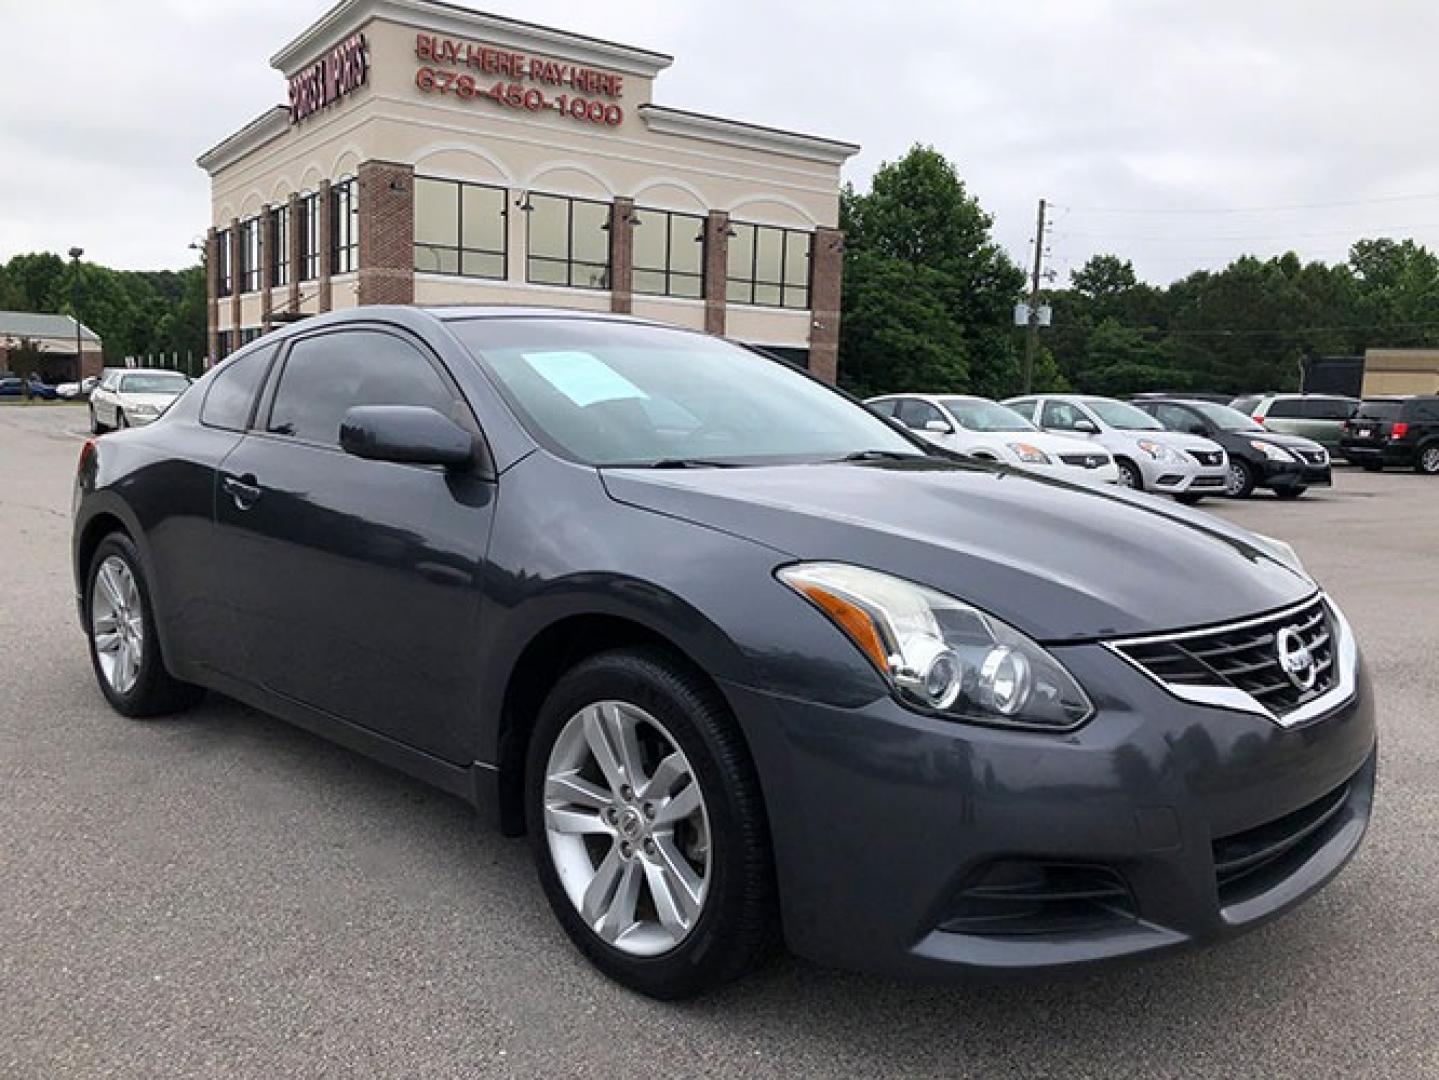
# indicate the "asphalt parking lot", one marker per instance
pixel 220 894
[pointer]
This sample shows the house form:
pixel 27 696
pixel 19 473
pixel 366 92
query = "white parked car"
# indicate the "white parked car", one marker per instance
pixel 986 429
pixel 1150 457
pixel 132 397
pixel 71 390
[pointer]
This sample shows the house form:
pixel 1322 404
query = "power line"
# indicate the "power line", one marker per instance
pixel 1242 237
pixel 1275 207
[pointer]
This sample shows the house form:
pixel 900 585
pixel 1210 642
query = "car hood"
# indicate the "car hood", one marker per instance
pixel 1279 438
pixel 1179 440
pixel 160 401
pixel 1056 560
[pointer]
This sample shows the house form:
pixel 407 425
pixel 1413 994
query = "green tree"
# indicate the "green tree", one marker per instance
pixel 930 291
pixel 23 355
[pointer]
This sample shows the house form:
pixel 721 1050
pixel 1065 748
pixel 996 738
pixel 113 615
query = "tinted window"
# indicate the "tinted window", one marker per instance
pixel 884 408
pixel 1176 417
pixel 914 414
pixel 616 393
pixel 1246 404
pixel 232 390
pixel 1378 410
pixel 1225 418
pixel 1326 408
pixel 1284 409
pixel 1424 409
pixel 326 375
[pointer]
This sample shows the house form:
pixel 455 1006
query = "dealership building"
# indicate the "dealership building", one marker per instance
pixel 432 154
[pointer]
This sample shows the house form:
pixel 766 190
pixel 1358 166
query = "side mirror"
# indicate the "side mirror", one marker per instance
pixel 1085 427
pixel 413 434
pixel 939 427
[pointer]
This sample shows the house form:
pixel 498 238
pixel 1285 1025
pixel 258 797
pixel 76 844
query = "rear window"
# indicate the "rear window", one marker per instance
pixel 1246 404
pixel 1379 410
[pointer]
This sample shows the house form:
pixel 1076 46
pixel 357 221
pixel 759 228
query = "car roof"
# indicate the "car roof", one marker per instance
pixel 1290 396
pixel 146 371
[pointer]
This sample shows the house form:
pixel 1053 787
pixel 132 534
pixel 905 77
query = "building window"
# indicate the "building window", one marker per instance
pixel 224 344
pixel 224 282
pixel 460 228
pixel 344 227
pixel 249 334
pixel 250 255
pixel 280 245
pixel 669 253
pixel 569 242
pixel 309 226
pixel 768 266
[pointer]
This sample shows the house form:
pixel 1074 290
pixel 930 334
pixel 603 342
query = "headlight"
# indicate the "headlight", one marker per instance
pixel 1272 452
pixel 940 654
pixel 1030 455
pixel 1159 452
pixel 142 410
pixel 1282 553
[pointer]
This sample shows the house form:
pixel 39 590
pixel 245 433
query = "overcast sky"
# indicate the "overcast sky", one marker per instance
pixel 1178 134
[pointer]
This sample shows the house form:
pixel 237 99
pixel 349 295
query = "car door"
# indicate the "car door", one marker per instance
pixel 355 583
pixel 1062 417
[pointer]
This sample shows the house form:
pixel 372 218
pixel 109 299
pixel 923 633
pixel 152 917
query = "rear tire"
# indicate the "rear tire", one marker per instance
pixel 723 852
pixel 1427 460
pixel 1129 474
pixel 124 644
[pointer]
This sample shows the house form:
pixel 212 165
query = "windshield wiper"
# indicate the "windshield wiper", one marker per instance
pixel 691 463
pixel 882 455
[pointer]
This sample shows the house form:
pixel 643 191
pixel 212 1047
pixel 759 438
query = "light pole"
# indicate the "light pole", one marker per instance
pixel 75 253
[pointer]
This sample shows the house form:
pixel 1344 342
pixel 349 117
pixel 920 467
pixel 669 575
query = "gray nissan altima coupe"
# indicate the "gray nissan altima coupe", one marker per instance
pixel 745 662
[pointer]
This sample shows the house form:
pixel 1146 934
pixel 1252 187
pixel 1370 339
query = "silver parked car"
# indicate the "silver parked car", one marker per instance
pixel 132 397
pixel 1149 457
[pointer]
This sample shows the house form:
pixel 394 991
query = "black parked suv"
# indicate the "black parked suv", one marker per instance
pixel 1286 464
pixel 1400 431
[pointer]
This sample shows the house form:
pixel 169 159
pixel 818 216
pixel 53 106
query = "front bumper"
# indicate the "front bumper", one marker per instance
pixel 883 820
pixel 1294 474
pixel 1171 478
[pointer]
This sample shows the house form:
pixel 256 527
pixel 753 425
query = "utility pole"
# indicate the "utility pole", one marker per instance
pixel 75 253
pixel 1031 337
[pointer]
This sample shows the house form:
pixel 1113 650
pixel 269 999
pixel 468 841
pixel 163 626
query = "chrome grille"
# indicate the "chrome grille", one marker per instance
pixel 1245 657
pixel 1084 461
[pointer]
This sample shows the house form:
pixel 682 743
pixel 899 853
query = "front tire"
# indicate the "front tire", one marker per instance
pixel 647 825
pixel 1129 475
pixel 1240 481
pixel 124 644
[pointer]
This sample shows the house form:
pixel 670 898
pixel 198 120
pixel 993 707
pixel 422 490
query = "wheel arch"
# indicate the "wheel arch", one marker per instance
pixel 554 648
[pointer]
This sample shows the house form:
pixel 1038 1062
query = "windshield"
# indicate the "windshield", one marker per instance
pixel 1379 410
pixel 613 393
pixel 154 384
pixel 1121 416
pixel 976 414
pixel 1225 418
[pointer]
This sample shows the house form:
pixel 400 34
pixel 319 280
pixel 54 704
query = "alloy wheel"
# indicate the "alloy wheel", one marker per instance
pixel 117 624
pixel 627 828
pixel 1236 482
pixel 1429 460
pixel 1129 476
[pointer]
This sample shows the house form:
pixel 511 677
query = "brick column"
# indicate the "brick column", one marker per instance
pixel 622 255
pixel 716 270
pixel 267 276
pixel 826 276
pixel 325 240
pixel 387 233
pixel 296 255
pixel 212 297
pixel 235 282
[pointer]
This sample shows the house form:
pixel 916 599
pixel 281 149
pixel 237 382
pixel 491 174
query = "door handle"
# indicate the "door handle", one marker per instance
pixel 243 489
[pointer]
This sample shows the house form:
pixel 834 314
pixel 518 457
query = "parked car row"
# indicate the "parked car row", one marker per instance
pixel 11 386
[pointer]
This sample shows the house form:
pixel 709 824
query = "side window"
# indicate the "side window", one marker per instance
pixel 914 414
pixel 1328 408
pixel 1245 404
pixel 1175 417
pixel 1060 415
pixel 884 408
pixel 1023 406
pixel 328 374
pixel 1425 409
pixel 1285 409
pixel 232 391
